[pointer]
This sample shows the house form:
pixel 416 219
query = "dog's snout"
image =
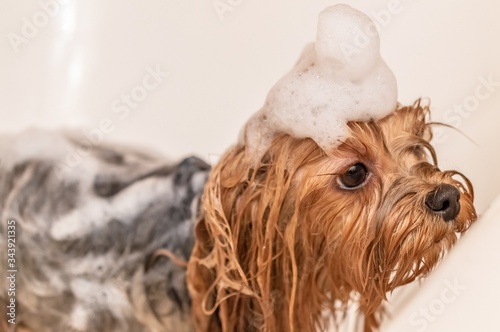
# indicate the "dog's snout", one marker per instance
pixel 445 201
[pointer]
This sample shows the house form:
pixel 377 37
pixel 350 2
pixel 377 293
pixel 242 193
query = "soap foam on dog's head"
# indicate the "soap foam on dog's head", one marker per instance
pixel 340 78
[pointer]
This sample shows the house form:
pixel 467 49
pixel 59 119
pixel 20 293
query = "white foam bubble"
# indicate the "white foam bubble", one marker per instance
pixel 339 78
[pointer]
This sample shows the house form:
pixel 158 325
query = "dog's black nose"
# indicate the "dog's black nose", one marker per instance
pixel 445 201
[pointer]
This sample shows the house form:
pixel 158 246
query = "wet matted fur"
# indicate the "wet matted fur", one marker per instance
pixel 87 232
pixel 279 241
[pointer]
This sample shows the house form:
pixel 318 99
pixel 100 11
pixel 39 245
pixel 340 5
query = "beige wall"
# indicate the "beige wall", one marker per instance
pixel 73 69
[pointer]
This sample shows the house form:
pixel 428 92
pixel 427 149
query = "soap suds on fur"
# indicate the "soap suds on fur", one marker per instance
pixel 339 78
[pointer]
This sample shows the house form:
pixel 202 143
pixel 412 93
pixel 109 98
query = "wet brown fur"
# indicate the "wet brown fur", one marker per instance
pixel 279 242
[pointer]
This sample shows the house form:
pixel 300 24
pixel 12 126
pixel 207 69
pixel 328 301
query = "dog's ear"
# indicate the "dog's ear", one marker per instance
pixel 407 131
pixel 250 249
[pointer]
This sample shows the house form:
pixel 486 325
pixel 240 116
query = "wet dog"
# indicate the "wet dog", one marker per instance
pixel 103 234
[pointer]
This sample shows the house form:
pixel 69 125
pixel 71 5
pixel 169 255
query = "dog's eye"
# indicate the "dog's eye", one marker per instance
pixel 354 177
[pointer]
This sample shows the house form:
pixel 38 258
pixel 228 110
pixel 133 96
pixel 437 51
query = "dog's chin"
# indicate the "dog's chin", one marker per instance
pixel 443 244
pixel 434 253
pixel 419 252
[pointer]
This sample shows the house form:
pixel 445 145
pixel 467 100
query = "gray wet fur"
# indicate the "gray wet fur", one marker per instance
pixel 104 277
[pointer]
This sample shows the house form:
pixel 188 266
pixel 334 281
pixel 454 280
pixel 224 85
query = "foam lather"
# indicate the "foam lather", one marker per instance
pixel 339 78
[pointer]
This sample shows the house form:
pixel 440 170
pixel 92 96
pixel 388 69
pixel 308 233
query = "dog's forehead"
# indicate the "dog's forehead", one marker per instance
pixel 394 141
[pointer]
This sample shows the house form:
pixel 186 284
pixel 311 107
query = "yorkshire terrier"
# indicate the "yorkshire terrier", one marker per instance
pixel 281 241
pixel 103 244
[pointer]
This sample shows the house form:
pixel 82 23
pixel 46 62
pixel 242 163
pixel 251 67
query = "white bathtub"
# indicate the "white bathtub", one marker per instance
pixel 195 73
